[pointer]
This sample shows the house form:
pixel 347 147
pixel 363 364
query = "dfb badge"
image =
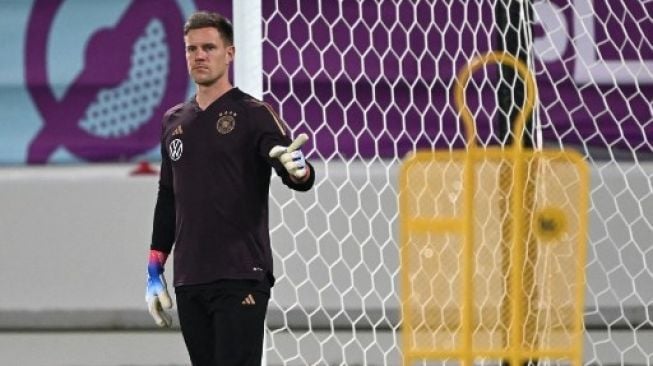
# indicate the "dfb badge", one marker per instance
pixel 226 122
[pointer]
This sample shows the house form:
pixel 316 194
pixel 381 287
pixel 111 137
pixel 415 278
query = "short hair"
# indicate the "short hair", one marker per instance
pixel 205 19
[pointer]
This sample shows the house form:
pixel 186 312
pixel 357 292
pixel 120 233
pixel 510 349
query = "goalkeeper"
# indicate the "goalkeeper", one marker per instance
pixel 218 149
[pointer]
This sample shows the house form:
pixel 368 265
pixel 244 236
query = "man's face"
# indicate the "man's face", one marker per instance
pixel 207 55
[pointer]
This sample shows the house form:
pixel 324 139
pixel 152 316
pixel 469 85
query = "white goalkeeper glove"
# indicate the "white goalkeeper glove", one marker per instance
pixel 291 157
pixel 156 294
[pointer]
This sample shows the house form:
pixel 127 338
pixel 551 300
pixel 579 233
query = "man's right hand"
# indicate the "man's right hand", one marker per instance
pixel 156 294
pixel 291 157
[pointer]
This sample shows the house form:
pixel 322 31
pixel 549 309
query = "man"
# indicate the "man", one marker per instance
pixel 217 152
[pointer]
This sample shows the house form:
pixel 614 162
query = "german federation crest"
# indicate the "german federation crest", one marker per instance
pixel 175 149
pixel 226 122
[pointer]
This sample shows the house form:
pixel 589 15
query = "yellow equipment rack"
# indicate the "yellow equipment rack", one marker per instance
pixel 493 246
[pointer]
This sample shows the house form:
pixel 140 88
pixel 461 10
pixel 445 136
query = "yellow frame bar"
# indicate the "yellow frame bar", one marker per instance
pixel 516 207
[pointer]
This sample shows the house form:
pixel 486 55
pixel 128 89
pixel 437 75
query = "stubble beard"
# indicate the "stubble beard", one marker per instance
pixel 205 81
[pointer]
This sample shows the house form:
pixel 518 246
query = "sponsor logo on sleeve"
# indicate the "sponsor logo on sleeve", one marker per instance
pixel 175 149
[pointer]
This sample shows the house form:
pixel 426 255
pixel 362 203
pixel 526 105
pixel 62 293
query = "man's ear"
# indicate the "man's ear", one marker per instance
pixel 231 52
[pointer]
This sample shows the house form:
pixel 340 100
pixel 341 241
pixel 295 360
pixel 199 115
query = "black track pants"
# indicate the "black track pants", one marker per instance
pixel 223 323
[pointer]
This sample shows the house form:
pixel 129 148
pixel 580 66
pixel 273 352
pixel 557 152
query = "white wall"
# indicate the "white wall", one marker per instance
pixel 76 238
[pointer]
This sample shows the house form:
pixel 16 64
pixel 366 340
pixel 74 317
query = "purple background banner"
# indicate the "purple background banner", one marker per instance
pixel 365 79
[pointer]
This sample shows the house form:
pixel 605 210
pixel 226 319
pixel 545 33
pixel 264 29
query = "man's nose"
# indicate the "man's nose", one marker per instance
pixel 200 54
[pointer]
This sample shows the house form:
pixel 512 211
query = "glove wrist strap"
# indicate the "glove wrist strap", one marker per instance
pixel 156 262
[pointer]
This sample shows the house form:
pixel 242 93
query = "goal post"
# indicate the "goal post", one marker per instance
pixel 248 63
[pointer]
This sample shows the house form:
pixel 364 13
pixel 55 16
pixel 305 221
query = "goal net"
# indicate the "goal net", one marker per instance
pixel 372 82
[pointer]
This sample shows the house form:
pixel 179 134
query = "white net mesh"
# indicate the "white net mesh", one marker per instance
pixel 371 81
